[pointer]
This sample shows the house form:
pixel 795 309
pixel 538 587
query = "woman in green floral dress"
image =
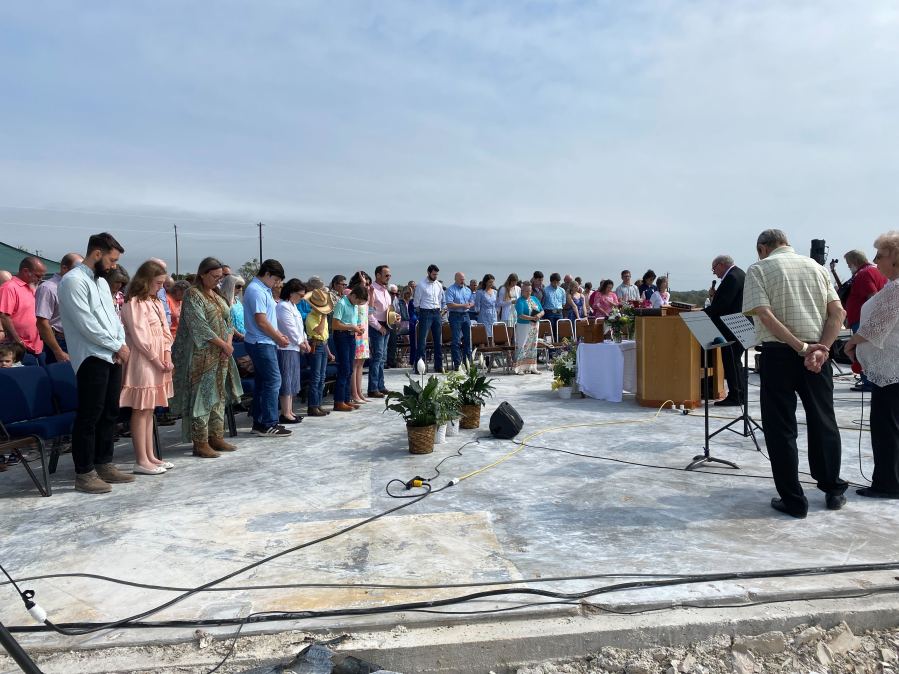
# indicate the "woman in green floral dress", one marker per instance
pixel 206 376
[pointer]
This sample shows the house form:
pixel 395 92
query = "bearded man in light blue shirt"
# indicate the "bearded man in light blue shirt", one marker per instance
pixel 96 342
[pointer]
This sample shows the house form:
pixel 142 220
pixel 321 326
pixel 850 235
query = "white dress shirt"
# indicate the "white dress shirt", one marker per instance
pixel 428 295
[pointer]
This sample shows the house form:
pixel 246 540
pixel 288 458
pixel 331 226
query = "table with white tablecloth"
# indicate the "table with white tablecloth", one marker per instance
pixel 607 369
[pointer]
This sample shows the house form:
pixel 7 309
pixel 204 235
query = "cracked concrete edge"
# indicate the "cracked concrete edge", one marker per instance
pixel 497 645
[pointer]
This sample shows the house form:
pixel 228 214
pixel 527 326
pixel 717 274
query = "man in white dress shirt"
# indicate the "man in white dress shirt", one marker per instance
pixel 429 302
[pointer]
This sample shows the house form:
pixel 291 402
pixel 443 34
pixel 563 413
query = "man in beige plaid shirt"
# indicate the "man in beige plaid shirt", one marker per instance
pixel 798 316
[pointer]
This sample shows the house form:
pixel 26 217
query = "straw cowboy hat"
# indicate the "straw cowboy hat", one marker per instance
pixel 392 317
pixel 320 299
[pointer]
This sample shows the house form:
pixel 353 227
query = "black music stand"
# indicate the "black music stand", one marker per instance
pixel 744 330
pixel 710 339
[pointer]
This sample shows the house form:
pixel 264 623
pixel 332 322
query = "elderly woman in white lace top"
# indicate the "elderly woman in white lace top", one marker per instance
pixel 876 346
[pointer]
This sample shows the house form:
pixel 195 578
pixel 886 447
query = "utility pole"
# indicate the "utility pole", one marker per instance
pixel 260 242
pixel 177 269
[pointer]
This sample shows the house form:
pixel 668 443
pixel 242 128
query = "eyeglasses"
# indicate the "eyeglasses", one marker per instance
pixel 238 287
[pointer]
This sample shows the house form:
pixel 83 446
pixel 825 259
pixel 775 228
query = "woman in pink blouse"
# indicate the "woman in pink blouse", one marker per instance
pixel 604 300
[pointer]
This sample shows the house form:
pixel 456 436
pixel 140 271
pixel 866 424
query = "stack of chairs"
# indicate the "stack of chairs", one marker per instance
pixel 37 406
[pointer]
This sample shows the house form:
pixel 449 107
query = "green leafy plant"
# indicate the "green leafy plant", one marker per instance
pixel 417 404
pixel 473 387
pixel 449 407
pixel 564 368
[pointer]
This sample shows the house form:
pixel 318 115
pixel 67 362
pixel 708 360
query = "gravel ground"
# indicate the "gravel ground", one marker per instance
pixel 806 650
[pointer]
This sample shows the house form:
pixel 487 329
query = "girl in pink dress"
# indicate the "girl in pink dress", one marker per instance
pixel 147 376
pixel 362 350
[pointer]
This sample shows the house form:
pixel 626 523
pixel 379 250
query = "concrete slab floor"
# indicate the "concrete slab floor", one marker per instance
pixel 539 514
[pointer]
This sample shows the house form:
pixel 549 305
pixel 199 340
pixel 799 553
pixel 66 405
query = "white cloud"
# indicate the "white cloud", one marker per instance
pixel 658 133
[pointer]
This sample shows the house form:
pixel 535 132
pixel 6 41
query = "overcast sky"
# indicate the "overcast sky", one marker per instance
pixel 577 137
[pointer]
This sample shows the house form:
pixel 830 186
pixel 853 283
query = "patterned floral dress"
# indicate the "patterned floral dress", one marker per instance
pixel 362 342
pixel 204 382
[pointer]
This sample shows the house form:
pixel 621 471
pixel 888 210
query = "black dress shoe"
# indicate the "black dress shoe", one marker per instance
pixel 779 506
pixel 873 493
pixel 727 402
pixel 284 420
pixel 834 501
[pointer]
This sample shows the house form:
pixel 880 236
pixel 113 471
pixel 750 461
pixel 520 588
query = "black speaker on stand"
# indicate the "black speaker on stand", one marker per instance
pixel 505 423
pixel 819 251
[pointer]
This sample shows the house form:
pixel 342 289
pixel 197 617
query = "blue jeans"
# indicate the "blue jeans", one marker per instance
pixel 345 343
pixel 429 319
pixel 377 344
pixel 268 384
pixel 460 325
pixel 318 368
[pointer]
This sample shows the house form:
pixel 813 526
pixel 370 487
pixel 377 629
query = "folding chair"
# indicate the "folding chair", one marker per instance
pixel 564 330
pixel 580 326
pixel 446 343
pixel 544 340
pixel 28 417
pixel 502 345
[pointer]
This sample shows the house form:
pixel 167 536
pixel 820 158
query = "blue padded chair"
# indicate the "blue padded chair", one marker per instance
pixel 248 385
pixel 28 416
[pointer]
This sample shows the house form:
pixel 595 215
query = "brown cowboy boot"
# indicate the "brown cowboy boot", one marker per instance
pixel 221 445
pixel 203 450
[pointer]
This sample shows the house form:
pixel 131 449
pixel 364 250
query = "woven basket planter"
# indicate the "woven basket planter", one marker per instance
pixel 421 439
pixel 471 416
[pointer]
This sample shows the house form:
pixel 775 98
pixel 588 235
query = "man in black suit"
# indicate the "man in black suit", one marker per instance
pixel 728 299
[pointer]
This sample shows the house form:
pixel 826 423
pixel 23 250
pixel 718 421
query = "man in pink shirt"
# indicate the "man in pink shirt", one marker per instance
pixel 379 302
pixel 17 306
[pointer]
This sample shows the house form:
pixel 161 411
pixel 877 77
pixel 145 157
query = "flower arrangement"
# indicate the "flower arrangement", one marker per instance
pixel 565 366
pixel 620 319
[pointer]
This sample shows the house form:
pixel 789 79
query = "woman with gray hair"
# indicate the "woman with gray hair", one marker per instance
pixel 876 346
pixel 232 289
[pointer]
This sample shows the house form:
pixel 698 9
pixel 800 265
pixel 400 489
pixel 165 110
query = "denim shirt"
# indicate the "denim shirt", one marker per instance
pixel 457 294
pixel 553 298
pixel 89 319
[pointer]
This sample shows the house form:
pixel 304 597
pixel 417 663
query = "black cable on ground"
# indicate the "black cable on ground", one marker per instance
pixel 274 616
pixel 77 631
pixel 346 586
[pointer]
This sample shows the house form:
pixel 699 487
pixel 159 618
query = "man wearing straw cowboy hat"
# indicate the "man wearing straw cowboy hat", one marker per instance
pixel 317 333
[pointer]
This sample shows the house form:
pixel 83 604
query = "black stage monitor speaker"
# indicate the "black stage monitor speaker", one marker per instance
pixel 505 422
pixel 819 251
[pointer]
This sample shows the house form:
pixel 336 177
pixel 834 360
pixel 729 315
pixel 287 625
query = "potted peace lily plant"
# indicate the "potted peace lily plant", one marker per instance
pixel 474 389
pixel 448 408
pixel 418 405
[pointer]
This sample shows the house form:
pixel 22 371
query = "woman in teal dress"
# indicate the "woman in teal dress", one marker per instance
pixel 206 377
pixel 529 311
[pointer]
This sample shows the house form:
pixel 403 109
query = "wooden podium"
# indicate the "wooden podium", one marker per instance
pixel 669 363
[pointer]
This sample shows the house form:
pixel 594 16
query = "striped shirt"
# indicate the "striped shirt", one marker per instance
pixel 795 288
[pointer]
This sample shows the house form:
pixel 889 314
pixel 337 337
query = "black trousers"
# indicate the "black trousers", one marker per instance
pixel 885 438
pixel 732 357
pixel 99 387
pixel 783 377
